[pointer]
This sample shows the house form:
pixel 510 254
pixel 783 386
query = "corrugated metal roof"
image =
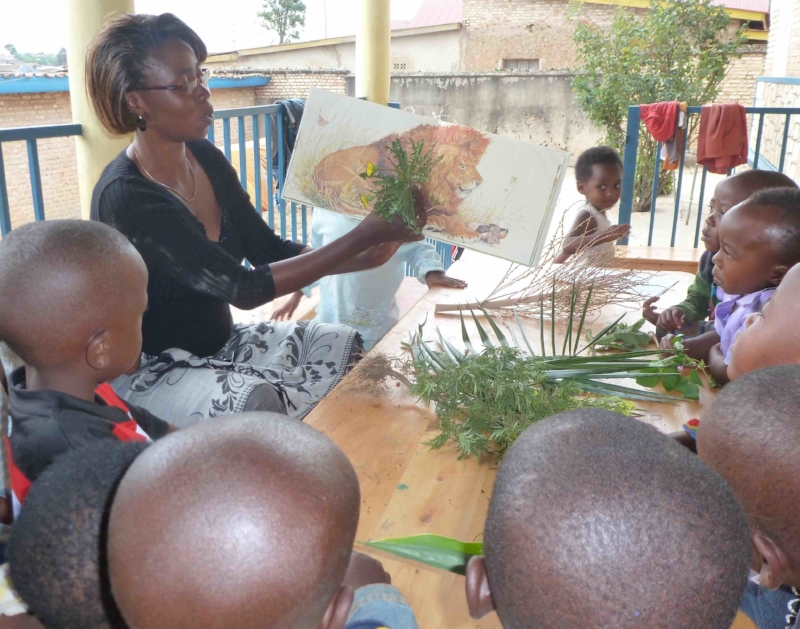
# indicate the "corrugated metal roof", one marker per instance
pixel 29 75
pixel 399 25
pixel 436 12
pixel 759 6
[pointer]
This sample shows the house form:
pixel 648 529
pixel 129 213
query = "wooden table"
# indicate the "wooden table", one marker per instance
pixel 407 489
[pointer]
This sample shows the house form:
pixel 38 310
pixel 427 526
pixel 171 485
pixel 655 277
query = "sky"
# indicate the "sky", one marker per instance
pixel 235 27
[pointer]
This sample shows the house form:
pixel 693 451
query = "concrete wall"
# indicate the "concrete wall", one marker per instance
pixel 430 52
pixel 783 56
pixel 538 108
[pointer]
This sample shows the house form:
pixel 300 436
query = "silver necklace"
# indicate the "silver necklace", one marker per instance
pixel 154 180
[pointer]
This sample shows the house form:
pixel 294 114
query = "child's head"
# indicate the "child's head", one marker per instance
pixel 599 520
pixel 750 435
pixel 772 336
pixel 73 295
pixel 734 190
pixel 759 241
pixel 56 553
pixel 249 520
pixel 598 172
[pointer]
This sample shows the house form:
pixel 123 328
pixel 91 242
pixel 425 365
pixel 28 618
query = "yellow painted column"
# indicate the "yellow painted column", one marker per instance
pixel 373 52
pixel 96 148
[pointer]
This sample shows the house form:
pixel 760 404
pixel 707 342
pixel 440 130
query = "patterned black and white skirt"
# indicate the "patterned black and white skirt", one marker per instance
pixel 301 360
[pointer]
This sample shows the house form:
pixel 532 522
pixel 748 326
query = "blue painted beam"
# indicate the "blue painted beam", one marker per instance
pixel 39 84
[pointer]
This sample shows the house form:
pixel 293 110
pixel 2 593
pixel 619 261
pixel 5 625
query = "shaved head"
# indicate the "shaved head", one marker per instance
pixel 61 282
pixel 751 436
pixel 598 520
pixel 245 522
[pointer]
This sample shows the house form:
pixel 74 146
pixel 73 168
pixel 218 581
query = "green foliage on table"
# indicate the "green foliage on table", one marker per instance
pixel 440 552
pixel 624 337
pixel 486 397
pixel 678 50
pixel 394 189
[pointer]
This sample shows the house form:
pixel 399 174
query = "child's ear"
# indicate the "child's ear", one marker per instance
pixel 778 273
pixel 774 562
pixel 479 597
pixel 98 351
pixel 581 188
pixel 339 609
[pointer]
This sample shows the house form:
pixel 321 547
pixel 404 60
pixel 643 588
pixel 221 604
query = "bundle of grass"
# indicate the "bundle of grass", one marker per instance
pixel 590 272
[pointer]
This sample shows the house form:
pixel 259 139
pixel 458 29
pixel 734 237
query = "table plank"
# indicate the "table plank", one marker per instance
pixel 407 489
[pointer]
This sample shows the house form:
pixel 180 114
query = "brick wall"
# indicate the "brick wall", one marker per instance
pixel 232 99
pixel 57 163
pixel 739 85
pixel 297 83
pixel 526 29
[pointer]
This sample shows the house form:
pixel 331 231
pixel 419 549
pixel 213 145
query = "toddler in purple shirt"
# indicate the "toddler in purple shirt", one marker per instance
pixel 759 243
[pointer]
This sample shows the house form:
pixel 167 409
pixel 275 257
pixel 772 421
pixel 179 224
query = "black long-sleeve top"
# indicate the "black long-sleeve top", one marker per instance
pixel 192 279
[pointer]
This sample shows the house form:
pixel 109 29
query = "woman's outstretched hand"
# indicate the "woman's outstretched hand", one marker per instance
pixel 396 230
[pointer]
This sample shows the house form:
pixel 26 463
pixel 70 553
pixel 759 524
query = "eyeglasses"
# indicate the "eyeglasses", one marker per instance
pixel 189 88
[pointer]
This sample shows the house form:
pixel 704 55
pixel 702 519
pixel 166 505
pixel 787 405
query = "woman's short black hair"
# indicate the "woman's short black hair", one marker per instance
pixel 117 59
pixel 596 155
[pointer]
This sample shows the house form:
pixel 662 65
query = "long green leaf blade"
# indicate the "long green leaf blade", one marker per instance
pixel 497 332
pixel 541 324
pixel 583 317
pixel 522 331
pixel 603 332
pixel 465 334
pixel 487 342
pixel 553 318
pixel 440 552
pixel 455 355
pixel 568 335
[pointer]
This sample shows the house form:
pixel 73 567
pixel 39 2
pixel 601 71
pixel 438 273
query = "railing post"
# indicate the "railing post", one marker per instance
pixel 629 167
pixel 5 215
pixel 36 180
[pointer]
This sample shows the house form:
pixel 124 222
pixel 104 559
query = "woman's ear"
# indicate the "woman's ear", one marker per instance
pixel 479 597
pixel 135 103
pixel 98 351
pixel 774 562
pixel 339 609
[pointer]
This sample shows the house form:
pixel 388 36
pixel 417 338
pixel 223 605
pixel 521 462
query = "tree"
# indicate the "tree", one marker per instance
pixel 679 50
pixel 11 49
pixel 61 57
pixel 283 17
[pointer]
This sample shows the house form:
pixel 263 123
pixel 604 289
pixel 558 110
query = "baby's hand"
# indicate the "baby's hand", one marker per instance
pixel 437 278
pixel 672 319
pixel 667 343
pixel 649 312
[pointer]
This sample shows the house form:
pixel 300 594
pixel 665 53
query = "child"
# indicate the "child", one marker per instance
pixel 365 301
pixel 771 337
pixel 634 531
pixel 73 295
pixel 256 532
pixel 599 175
pixel 56 551
pixel 751 437
pixel 701 297
pixel 759 243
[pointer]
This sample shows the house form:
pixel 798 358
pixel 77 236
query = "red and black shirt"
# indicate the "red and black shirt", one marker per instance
pixel 47 424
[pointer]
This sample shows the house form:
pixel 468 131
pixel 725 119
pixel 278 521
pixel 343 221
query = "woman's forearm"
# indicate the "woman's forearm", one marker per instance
pixel 298 272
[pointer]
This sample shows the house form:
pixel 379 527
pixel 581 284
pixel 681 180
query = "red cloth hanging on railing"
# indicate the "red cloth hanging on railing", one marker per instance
pixel 722 143
pixel 660 119
pixel 667 124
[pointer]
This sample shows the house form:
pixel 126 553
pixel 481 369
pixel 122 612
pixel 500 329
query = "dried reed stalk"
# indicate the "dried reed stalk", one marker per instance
pixel 522 289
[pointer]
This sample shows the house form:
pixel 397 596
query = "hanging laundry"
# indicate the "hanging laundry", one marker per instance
pixel 667 123
pixel 722 143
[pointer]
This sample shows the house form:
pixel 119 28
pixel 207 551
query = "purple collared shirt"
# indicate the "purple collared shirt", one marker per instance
pixel 729 323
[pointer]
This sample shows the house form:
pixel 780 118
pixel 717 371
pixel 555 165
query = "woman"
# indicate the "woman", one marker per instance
pixel 179 201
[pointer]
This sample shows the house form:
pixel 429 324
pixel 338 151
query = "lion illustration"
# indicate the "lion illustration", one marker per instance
pixel 454 177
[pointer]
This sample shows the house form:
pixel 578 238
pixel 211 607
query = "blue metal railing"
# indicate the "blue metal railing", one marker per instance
pixel 29 135
pixel 755 160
